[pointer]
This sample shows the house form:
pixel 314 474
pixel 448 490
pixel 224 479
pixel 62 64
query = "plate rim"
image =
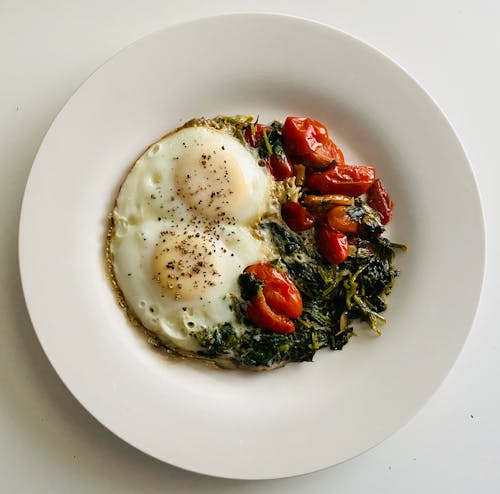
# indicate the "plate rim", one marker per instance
pixel 23 227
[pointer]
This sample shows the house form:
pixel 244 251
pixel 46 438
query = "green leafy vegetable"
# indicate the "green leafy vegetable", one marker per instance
pixel 249 286
pixel 367 217
pixel 217 341
pixel 262 348
pixel 272 141
pixel 333 296
pixel 269 149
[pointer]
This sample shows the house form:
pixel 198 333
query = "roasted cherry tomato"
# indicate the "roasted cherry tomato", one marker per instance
pixel 338 219
pixel 254 134
pixel 279 301
pixel 264 317
pixel 280 292
pixel 306 140
pixel 296 216
pixel 279 166
pixel 331 244
pixel 378 199
pixel 351 180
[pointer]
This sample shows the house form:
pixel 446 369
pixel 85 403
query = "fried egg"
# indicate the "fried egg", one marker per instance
pixel 184 226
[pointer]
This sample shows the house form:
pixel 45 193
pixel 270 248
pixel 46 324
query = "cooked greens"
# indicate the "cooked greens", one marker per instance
pixel 333 297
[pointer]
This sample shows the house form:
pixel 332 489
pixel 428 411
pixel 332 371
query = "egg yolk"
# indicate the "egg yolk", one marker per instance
pixel 210 182
pixel 187 265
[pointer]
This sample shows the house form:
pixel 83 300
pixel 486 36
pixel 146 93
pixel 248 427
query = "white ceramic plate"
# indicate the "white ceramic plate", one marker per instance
pixel 303 417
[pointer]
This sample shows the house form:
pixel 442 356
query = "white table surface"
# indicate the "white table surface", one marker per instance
pixel 49 443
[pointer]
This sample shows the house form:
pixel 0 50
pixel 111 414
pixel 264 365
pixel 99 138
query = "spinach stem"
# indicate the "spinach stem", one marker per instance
pixel 266 142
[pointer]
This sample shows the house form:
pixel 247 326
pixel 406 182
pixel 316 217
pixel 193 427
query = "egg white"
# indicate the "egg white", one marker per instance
pixel 184 228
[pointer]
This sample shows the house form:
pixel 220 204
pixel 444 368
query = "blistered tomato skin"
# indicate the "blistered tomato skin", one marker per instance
pixel 296 216
pixel 264 317
pixel 279 290
pixel 279 166
pixel 379 199
pixel 306 139
pixel 350 180
pixel 332 244
pixel 279 302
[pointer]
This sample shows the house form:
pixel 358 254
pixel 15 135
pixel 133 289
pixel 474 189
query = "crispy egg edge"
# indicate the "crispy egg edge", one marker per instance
pixel 224 123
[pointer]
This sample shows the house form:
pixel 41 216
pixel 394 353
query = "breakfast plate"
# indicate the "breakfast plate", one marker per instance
pixel 235 423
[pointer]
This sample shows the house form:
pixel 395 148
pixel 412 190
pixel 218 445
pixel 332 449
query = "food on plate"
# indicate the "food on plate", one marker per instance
pixel 250 245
